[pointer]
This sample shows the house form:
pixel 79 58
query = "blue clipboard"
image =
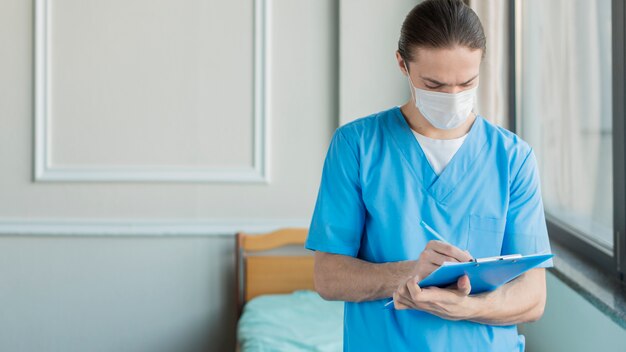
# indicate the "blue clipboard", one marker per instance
pixel 485 274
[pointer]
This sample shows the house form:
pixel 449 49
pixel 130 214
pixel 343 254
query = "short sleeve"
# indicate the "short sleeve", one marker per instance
pixel 339 214
pixel 526 231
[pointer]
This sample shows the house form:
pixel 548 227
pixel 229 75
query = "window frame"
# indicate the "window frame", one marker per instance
pixel 612 262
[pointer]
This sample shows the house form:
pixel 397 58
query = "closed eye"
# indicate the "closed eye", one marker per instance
pixel 469 83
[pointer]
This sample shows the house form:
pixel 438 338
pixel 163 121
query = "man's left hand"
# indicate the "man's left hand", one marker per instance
pixel 452 302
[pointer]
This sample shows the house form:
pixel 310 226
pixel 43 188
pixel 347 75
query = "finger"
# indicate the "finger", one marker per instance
pixel 426 269
pixel 402 290
pixel 404 294
pixel 451 287
pixel 438 259
pixel 403 303
pixel 455 285
pixel 463 285
pixel 396 302
pixel 456 253
pixel 447 249
pixel 413 288
pixel 450 251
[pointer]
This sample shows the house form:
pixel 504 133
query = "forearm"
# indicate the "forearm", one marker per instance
pixel 519 301
pixel 345 278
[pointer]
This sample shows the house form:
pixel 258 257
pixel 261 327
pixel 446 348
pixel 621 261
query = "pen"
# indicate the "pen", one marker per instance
pixel 388 303
pixel 433 232
pixel 437 235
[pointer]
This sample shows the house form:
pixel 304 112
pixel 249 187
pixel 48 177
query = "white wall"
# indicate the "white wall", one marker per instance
pixel 142 101
pixel 370 79
pixel 132 148
pixel 116 294
pixel 127 91
pixel 570 323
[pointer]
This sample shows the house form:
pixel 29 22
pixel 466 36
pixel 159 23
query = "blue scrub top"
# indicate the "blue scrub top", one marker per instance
pixel 377 185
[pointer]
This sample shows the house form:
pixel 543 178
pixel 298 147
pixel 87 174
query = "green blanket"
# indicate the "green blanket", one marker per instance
pixel 301 321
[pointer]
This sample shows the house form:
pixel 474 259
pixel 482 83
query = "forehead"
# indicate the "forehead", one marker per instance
pixel 450 65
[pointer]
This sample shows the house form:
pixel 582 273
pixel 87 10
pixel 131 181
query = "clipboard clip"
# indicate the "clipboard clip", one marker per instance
pixel 496 258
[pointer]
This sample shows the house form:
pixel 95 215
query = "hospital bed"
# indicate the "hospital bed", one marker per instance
pixel 277 306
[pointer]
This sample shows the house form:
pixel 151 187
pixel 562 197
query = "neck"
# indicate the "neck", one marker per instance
pixel 419 124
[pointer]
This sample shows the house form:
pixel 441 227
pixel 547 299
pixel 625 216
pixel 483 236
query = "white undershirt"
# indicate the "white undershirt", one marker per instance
pixel 439 151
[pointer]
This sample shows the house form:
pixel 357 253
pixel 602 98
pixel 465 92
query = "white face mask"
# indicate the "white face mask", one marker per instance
pixel 444 110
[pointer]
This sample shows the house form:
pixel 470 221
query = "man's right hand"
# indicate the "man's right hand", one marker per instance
pixel 435 254
pixel 345 278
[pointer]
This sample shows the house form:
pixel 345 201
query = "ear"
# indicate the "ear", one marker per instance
pixel 401 63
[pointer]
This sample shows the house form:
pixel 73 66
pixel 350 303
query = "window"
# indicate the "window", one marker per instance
pixel 569 89
pixel 565 110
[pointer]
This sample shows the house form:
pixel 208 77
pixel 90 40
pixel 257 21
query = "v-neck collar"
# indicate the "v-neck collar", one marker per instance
pixel 440 186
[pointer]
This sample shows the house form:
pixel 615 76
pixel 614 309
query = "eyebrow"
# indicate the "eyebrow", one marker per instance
pixel 433 81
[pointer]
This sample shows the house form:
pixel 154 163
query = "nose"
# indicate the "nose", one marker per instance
pixel 455 89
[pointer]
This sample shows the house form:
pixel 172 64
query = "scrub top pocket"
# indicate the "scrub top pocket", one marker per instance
pixel 485 235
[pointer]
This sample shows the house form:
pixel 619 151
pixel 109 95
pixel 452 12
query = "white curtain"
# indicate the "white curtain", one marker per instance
pixel 566 107
pixel 493 90
pixel 565 100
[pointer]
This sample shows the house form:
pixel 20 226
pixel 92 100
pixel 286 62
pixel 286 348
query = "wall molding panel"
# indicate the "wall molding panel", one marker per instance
pixel 44 170
pixel 140 227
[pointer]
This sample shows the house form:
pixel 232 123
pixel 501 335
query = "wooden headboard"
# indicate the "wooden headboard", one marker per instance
pixel 266 274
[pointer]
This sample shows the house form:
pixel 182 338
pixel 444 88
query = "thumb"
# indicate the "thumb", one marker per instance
pixel 417 278
pixel 464 285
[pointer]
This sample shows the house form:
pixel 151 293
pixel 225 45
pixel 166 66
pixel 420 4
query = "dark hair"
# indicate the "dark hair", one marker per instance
pixel 440 24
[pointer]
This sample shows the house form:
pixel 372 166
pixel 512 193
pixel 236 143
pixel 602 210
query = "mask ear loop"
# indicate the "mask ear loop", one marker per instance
pixel 408 76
